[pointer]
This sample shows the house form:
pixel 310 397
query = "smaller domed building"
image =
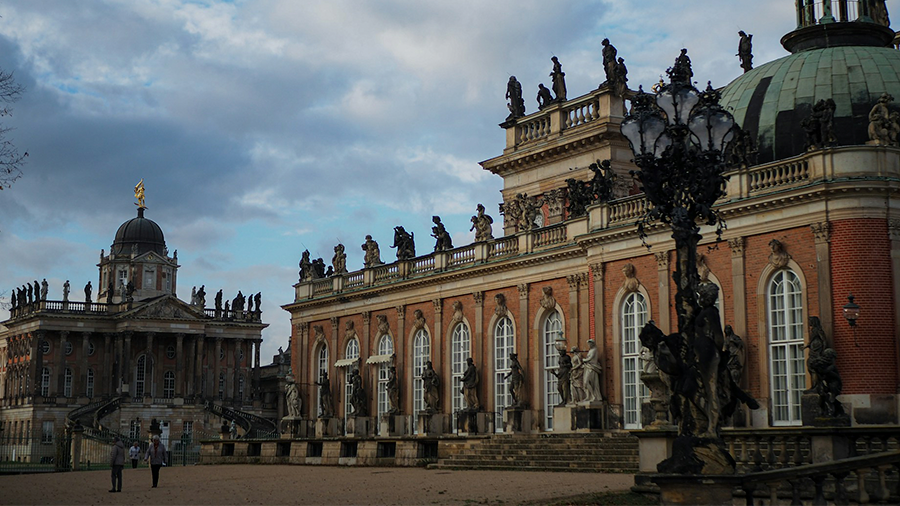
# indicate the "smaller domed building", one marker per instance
pixel 129 351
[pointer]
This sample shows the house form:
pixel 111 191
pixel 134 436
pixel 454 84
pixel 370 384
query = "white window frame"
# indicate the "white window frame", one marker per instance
pixel 633 315
pixel 169 385
pixel 140 376
pixel 421 354
pixel 385 347
pixel 45 382
pixel 504 344
pixel 47 430
pixel 149 281
pixel 350 352
pixel 551 331
pixel 240 394
pixel 68 378
pixel 222 386
pixel 460 350
pixel 787 364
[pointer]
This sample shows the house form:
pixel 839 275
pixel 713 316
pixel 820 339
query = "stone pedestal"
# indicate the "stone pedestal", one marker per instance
pixel 473 422
pixel 360 426
pixel 582 417
pixel 677 489
pixel 655 446
pixel 517 420
pixel 392 426
pixel 432 424
pixel 293 427
pixel 812 416
pixel 328 427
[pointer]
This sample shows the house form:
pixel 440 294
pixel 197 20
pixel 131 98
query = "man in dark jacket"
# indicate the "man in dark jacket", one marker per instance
pixel 117 461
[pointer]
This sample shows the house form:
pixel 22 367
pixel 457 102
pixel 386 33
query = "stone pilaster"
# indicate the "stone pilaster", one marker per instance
pixel 217 364
pixel 437 350
pixel 83 365
pixel 126 360
pixel 37 361
pixel 180 373
pixel 61 363
pixel 662 271
pixel 572 319
pixel 822 234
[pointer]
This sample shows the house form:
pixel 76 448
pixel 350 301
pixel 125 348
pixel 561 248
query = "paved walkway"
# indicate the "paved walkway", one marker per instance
pixel 246 484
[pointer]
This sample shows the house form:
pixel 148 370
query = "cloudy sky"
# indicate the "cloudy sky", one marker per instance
pixel 265 127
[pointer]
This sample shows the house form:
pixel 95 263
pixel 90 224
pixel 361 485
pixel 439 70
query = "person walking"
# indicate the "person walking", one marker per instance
pixel 134 453
pixel 117 461
pixel 156 456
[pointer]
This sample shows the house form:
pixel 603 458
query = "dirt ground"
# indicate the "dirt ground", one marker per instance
pixel 248 484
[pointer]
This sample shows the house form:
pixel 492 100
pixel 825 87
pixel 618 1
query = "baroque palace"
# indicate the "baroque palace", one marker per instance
pixel 811 207
pixel 134 354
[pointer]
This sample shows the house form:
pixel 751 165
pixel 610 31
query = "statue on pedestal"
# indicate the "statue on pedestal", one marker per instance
pixel 357 394
pixel 609 53
pixel 563 377
pixel 481 224
pixel 592 370
pixel 405 244
pixel 306 270
pixel 431 393
pixel 339 260
pixel 745 51
pixel 66 291
pixel 44 287
pixel 326 407
pixel 443 241
pixel 516 377
pixel 469 381
pixel 559 80
pixel 393 391
pixel 516 104
pixel 292 395
pixel 544 97
pixel 576 377
pixel 373 253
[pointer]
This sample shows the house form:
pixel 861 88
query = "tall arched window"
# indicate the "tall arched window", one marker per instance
pixel 67 385
pixel 551 332
pixel 139 376
pixel 460 341
pixel 421 354
pixel 504 344
pixel 89 387
pixel 786 367
pixel 352 352
pixel 321 368
pixel 45 382
pixel 221 386
pixel 634 317
pixel 169 385
pixel 385 347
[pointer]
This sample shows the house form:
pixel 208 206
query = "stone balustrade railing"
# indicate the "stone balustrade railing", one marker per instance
pixel 555 119
pixel 832 165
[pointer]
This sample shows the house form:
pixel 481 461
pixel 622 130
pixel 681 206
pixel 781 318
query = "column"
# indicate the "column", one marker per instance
pixel 480 354
pixel 126 369
pixel 399 343
pixel 364 338
pixel 437 353
pixel 152 366
pixel 599 328
pixel 238 366
pixel 180 373
pixel 739 297
pixel 37 362
pixel 665 310
pixel 256 345
pixel 108 369
pixel 894 234
pixel 61 363
pixel 217 363
pixel 199 385
pixel 822 233
pixel 572 317
pixel 83 364
pixel 524 346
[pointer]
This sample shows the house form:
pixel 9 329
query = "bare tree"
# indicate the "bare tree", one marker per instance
pixel 10 160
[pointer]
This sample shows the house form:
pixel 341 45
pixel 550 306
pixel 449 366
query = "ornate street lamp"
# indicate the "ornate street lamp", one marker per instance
pixel 679 136
pixel 851 313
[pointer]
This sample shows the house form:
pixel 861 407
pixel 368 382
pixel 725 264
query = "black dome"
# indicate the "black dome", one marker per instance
pixel 140 231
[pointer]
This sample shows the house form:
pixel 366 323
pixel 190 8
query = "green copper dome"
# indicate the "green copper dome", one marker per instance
pixel 770 101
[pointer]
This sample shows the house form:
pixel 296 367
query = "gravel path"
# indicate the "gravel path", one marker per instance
pixel 247 484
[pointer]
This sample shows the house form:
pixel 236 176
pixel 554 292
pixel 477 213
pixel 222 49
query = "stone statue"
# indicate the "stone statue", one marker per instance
pixel 736 355
pixel 620 78
pixel 129 291
pixel 258 299
pixel 306 271
pixel 516 104
pixel 37 291
pixel 481 224
pixel 745 51
pixel 741 152
pixel 511 214
pixel 609 61
pixel 819 125
pixel 544 97
pixel 563 377
pixel 405 244
pixel 393 391
pixel 576 378
pixel 339 260
pixel 431 386
pixel 30 291
pixel 326 407
pixel 227 311
pixel 194 296
pixel 579 197
pixel 878 9
pixel 218 302
pixel 110 288
pixel 232 429
pixel 329 272
pixel 357 394
pixel 530 207
pixel 681 71
pixel 250 305
pixel 443 241
pixel 12 302
pixel 559 80
pixel 603 183
pixel 883 129
pixel 87 292
pixel 237 305
pixel 829 384
pixel 201 297
pixel 373 253
pixel 516 377
pixel 318 266
pixel 818 342
pixel 470 385
pixel 44 287
pixel 66 291
pixel 592 370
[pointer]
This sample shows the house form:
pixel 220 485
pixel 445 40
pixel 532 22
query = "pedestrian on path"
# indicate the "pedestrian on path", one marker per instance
pixel 117 461
pixel 134 453
pixel 156 456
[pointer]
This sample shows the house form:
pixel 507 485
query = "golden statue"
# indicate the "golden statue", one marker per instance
pixel 139 193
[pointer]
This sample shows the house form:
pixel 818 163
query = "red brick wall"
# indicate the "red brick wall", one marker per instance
pixel 860 259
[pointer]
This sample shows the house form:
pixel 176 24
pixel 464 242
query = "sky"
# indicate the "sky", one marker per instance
pixel 262 128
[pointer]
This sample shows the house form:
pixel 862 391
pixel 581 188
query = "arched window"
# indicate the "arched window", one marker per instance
pixel 460 342
pixel 786 367
pixel 504 344
pixel 385 347
pixel 169 385
pixel 321 368
pixel 634 317
pixel 221 386
pixel 421 354
pixel 140 375
pixel 352 352
pixel 551 332
pixel 67 385
pixel 89 387
pixel 45 382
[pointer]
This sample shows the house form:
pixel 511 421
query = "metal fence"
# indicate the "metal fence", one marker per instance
pixel 34 452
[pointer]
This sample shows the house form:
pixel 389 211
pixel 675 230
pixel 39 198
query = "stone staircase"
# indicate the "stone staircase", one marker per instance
pixel 607 452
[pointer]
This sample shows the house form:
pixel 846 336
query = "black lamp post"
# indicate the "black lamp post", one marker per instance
pixel 851 313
